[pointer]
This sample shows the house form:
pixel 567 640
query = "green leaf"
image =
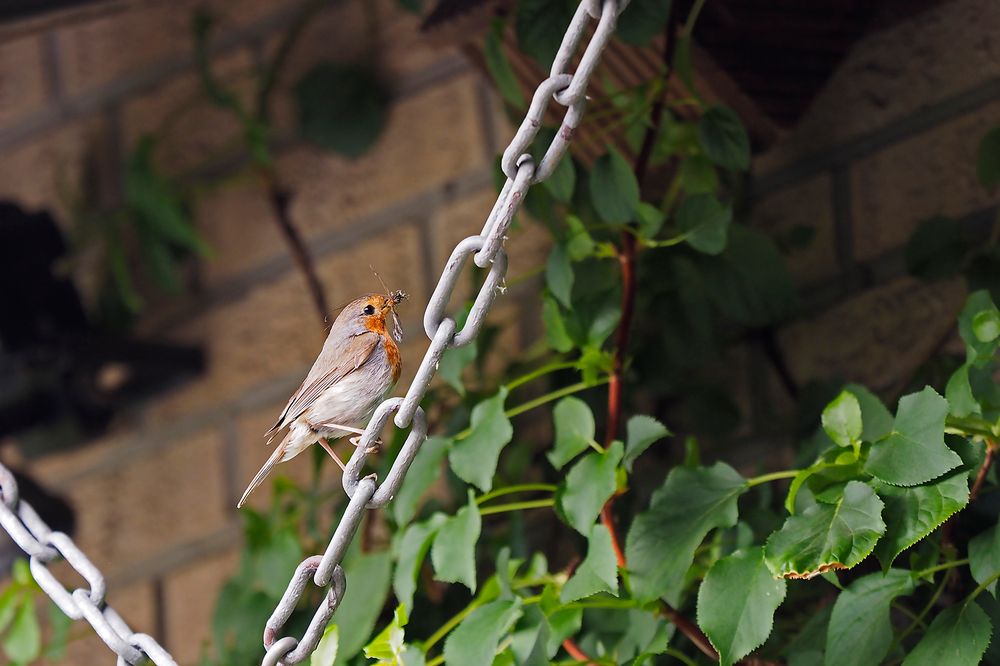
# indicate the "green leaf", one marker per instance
pixel 589 484
pixel 705 223
pixel 388 645
pixel 326 651
pixel 958 393
pixel 977 351
pixel 597 573
pixel 724 139
pixel 937 249
pixel 956 637
pixel 362 603
pixel 559 275
pixel 698 176
pixel 860 632
pixel 842 419
pixel 650 219
pixel 499 66
pixel 876 418
pixel 411 549
pixel 529 642
pixel 825 537
pixel 682 61
pixel 641 432
pixel 476 639
pixel 614 189
pixel 912 513
pixel 9 599
pixel 555 326
pixel 642 20
pixel 661 542
pixel 281 555
pixel 914 452
pixel 455 359
pixel 540 25
pixel 474 459
pixel 60 624
pixel 579 244
pixel 562 181
pixel 23 641
pixel 342 107
pixel 988 158
pixel 574 425
pixel 984 557
pixel 736 604
pixel 424 470
pixel 454 550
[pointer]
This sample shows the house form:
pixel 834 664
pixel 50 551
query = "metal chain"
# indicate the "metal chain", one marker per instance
pixel 43 546
pixel 487 251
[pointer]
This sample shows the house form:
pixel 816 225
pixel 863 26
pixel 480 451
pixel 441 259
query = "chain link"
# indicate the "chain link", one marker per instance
pixel 43 545
pixel 486 249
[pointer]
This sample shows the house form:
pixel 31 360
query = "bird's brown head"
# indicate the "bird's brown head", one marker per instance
pixel 377 313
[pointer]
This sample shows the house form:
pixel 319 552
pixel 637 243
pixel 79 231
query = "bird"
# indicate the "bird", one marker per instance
pixel 356 370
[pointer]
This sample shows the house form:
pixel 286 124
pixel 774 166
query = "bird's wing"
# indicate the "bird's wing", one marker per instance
pixel 330 367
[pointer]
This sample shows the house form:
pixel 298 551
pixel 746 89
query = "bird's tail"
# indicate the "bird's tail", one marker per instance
pixel 276 457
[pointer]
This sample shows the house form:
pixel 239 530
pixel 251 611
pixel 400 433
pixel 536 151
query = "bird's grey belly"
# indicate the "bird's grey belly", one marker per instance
pixel 349 402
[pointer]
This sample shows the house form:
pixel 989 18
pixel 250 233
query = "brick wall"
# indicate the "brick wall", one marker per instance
pixel 889 142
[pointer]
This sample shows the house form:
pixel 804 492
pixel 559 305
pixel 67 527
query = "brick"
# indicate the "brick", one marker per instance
pixel 191 131
pixel 878 338
pixel 134 603
pixel 146 504
pixel 23 87
pixel 893 73
pixel 930 174
pixel 273 330
pixel 190 595
pixel 430 140
pixel 807 204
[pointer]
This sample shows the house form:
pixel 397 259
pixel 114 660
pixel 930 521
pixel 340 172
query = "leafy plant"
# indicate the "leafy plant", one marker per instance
pixel 22 640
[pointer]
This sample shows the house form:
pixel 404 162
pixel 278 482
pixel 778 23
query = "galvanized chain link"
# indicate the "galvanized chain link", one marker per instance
pixel 44 546
pixel 486 250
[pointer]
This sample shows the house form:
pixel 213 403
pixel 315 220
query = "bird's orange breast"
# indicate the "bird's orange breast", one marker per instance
pixel 377 325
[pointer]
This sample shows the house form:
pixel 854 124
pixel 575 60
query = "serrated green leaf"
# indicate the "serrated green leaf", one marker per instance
pixel 358 612
pixel 825 537
pixel 614 189
pixel 642 20
pixel 724 139
pixel 499 67
pixel 914 452
pixel 475 640
pixel 588 485
pixel 424 470
pixel 555 326
pixel 559 275
pixel 956 637
pixel 23 641
pixel 910 514
pixel 842 419
pixel 958 393
pixel 597 573
pixel 984 557
pixel 705 221
pixel 574 426
pixel 453 552
pixel 388 645
pixel 326 651
pixel 736 604
pixel 988 158
pixel 860 632
pixel 641 432
pixel 661 541
pixel 540 25
pixel 411 549
pixel 474 459
pixel 528 643
pixel 876 419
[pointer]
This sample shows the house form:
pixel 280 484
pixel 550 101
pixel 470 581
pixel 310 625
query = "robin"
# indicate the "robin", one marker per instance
pixel 355 371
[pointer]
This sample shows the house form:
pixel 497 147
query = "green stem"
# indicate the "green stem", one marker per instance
pixel 773 476
pixel 666 242
pixel 516 506
pixel 692 17
pixel 982 586
pixel 520 488
pixel 942 567
pixel 908 613
pixel 676 654
pixel 919 620
pixel 443 630
pixel 971 425
pixel 539 372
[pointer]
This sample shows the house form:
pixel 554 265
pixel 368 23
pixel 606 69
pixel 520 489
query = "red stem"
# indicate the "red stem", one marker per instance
pixel 977 485
pixel 574 651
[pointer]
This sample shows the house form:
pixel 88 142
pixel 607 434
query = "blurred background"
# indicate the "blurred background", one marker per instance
pixel 189 189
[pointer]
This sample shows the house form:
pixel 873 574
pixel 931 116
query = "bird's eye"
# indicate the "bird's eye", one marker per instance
pixel 369 309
